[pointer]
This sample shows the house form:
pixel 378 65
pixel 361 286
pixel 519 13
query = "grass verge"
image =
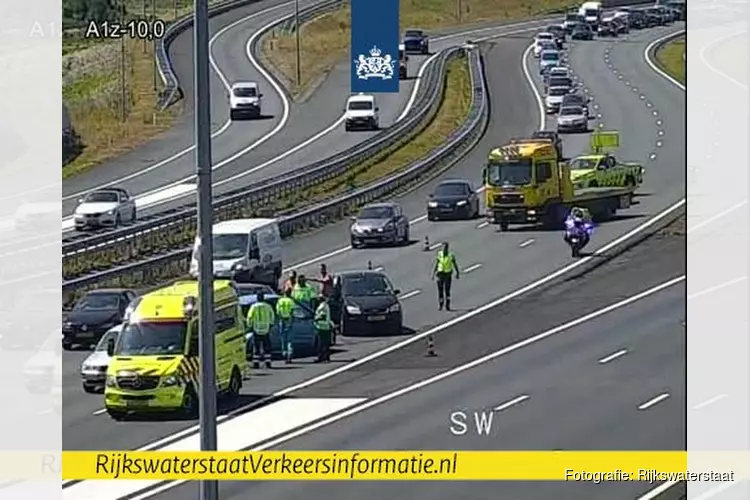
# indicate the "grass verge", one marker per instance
pixel 93 90
pixel 453 111
pixel 325 40
pixel 671 57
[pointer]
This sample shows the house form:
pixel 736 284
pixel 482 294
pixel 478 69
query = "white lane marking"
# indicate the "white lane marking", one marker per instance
pixel 710 401
pixel 653 401
pixel 242 432
pixel 413 95
pixel 472 268
pixel 435 246
pixel 483 225
pixel 613 356
pixel 100 412
pixel 716 288
pixel 526 243
pixel 223 128
pixel 657 491
pixel 530 80
pixel 710 66
pixel 411 294
pixel 512 402
pixel 654 66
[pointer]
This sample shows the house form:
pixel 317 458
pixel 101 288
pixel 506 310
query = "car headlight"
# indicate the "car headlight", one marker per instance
pixel 111 212
pixel 353 310
pixel 432 204
pixel 239 267
pixel 87 368
pixel 170 381
pixel 389 226
pixel 461 203
pixel 394 308
pixel 111 382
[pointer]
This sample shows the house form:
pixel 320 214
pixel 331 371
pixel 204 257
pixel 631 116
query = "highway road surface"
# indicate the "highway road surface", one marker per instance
pixel 501 263
pixel 614 380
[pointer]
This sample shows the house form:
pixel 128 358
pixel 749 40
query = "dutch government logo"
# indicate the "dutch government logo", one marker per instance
pixel 375 66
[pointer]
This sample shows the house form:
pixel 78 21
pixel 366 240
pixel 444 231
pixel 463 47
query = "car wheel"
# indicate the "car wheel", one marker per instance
pixel 235 384
pixel 88 388
pixel 118 220
pixel 117 414
pixel 232 115
pixel 67 345
pixel 407 238
pixel 134 215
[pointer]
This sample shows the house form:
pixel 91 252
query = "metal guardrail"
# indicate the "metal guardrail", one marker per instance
pixel 161 268
pixel 174 230
pixel 172 92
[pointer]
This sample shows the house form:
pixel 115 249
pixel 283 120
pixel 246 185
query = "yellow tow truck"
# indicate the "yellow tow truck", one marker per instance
pixel 600 168
pixel 525 182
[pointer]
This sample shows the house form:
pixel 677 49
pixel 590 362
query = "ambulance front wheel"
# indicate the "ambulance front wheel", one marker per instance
pixel 190 402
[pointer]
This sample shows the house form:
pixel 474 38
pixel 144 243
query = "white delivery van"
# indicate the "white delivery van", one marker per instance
pixel 247 250
pixel 591 12
pixel 362 112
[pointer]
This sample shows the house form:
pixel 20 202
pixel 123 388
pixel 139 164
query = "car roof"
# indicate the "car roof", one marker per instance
pixel 545 34
pixel 108 190
pixel 551 52
pixel 414 31
pixel 454 181
pixel 559 69
pixel 362 97
pixel 572 106
pixel 240 225
pixel 367 273
pixel 238 85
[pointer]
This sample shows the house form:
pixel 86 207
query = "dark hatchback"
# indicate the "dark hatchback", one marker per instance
pixel 453 199
pixel 94 314
pixel 416 41
pixel 582 32
pixel 368 304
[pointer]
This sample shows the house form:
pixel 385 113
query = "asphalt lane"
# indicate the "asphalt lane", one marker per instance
pixel 503 262
pixel 585 388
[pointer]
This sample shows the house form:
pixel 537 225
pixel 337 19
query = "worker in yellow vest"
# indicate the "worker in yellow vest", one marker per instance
pixel 285 314
pixel 444 268
pixel 260 319
pixel 303 291
pixel 324 328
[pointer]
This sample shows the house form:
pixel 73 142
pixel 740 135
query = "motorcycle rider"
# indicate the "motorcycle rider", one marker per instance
pixel 579 219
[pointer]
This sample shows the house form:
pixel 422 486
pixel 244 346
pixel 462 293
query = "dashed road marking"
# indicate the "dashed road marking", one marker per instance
pixel 653 401
pixel 100 412
pixel 483 225
pixel 409 295
pixel 613 356
pixel 472 268
pixel 512 402
pixel 527 243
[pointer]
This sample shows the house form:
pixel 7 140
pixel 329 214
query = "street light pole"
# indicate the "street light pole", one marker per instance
pixel 209 490
pixel 296 33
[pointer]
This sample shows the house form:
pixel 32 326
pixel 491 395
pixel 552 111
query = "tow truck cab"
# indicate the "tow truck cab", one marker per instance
pixel 527 183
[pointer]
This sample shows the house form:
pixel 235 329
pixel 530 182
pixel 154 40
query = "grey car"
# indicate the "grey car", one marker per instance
pixel 577 99
pixel 105 208
pixel 379 223
pixel 94 367
pixel 572 119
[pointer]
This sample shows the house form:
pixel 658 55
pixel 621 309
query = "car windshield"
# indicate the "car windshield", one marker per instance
pixel 98 302
pixel 583 164
pixel 510 173
pixel 163 338
pixel 245 92
pixel 560 81
pixel 558 91
pixel 571 111
pixel 229 246
pixel 101 197
pixel 544 36
pixel 413 34
pixel 359 286
pixel 376 213
pixel 573 98
pixel 546 44
pixel 253 289
pixel 360 105
pixel 451 189
pixel 550 56
pixel 592 12
pixel 554 29
pixel 102 345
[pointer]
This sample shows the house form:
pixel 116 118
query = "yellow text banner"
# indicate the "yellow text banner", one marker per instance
pixel 384 465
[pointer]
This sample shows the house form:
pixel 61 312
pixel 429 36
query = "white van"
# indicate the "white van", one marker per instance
pixel 246 250
pixel 362 112
pixel 591 12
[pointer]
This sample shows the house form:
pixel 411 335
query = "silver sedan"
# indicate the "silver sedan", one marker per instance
pixel 572 119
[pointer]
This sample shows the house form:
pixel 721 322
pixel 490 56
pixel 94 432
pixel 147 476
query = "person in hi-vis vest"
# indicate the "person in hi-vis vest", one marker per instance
pixel 260 319
pixel 444 268
pixel 285 314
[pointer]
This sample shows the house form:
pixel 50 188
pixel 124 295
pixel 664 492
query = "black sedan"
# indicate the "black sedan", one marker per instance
pixel 94 314
pixel 368 304
pixel 379 223
pixel 453 199
pixel 582 32
pixel 416 41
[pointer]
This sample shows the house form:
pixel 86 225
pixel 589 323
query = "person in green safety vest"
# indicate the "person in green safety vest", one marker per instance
pixel 323 327
pixel 445 266
pixel 285 314
pixel 260 319
pixel 303 291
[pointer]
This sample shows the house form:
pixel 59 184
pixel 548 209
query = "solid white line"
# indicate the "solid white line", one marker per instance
pixel 221 130
pixel 413 96
pixel 709 402
pixel 657 491
pixel 710 46
pixel 654 66
pixel 512 402
pixel 651 402
pixel 411 294
pixel 526 243
pixel 472 268
pixel 435 246
pixel 483 225
pixel 537 95
pixel 613 356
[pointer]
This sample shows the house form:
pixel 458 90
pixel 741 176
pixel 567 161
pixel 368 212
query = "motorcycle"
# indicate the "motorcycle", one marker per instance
pixel 577 235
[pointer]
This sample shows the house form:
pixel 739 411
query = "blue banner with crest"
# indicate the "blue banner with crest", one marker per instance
pixel 374 46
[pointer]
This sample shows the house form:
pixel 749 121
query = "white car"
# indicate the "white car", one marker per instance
pixel 554 98
pixel 94 367
pixel 362 112
pixel 108 207
pixel 542 37
pixel 245 100
pixel 548 60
